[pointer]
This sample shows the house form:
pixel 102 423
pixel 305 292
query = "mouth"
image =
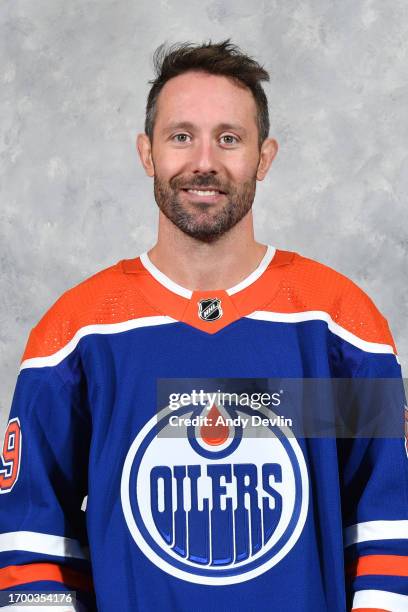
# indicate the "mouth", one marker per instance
pixel 204 194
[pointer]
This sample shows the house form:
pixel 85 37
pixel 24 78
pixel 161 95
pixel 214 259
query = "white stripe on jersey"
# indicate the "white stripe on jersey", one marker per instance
pixel 43 543
pixel 320 315
pixel 260 315
pixel 380 599
pixel 102 328
pixel 375 530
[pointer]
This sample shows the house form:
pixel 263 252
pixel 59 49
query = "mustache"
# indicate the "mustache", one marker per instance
pixel 205 182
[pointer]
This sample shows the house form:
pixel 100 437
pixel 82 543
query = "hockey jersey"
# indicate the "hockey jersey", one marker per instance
pixel 100 497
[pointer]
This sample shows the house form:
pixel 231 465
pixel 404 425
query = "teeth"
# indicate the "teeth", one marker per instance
pixel 202 192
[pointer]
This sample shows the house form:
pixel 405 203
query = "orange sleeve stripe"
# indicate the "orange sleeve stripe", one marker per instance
pixel 385 565
pixel 14 575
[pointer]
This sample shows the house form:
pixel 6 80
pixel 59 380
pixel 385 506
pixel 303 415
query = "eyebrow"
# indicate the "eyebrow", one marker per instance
pixel 187 125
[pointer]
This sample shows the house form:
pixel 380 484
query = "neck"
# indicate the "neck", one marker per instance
pixel 201 266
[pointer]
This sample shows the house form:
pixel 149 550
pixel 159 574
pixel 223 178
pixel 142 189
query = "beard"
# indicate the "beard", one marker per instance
pixel 202 220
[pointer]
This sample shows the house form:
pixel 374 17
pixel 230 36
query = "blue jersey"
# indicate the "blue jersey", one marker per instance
pixel 139 505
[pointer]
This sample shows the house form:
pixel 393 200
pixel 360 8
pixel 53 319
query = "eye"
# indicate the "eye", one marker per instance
pixel 234 138
pixel 177 137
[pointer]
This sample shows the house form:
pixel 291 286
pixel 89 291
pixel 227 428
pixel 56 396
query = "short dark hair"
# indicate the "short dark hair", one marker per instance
pixel 223 58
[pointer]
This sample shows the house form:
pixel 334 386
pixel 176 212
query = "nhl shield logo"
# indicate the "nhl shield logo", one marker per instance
pixel 209 309
pixel 214 506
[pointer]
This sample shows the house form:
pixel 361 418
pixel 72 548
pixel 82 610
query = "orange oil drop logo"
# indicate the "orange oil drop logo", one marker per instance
pixel 217 431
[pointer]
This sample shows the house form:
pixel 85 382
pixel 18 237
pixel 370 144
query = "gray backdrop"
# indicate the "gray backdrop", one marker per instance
pixel 74 198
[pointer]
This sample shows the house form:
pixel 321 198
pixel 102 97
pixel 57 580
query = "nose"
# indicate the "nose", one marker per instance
pixel 205 158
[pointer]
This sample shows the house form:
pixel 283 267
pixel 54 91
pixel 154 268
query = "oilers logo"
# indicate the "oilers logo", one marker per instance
pixel 214 505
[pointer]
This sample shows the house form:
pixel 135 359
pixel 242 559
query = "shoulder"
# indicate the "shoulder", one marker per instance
pixel 104 298
pixel 329 284
pixel 311 286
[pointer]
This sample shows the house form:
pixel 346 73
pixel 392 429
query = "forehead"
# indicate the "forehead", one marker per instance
pixel 203 98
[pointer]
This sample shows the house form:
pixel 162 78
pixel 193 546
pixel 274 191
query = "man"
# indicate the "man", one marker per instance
pixel 210 518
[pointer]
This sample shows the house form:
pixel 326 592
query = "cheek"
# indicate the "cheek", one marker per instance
pixel 242 164
pixel 243 170
pixel 166 165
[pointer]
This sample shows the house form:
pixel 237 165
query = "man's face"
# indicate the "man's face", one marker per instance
pixel 205 139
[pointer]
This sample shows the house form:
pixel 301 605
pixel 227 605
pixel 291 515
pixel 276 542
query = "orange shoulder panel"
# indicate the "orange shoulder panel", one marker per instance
pixel 309 285
pixel 291 284
pixel 105 297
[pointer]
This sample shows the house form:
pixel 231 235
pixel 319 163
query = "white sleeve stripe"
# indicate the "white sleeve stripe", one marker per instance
pixel 335 328
pixel 101 328
pixel 43 543
pixel 151 321
pixel 380 599
pixel 375 530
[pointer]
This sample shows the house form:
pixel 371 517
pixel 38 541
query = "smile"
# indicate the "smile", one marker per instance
pixel 204 194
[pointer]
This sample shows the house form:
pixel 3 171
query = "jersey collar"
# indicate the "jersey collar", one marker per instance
pixel 212 310
pixel 187 293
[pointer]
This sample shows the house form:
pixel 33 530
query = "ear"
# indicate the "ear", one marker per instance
pixel 269 149
pixel 145 153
